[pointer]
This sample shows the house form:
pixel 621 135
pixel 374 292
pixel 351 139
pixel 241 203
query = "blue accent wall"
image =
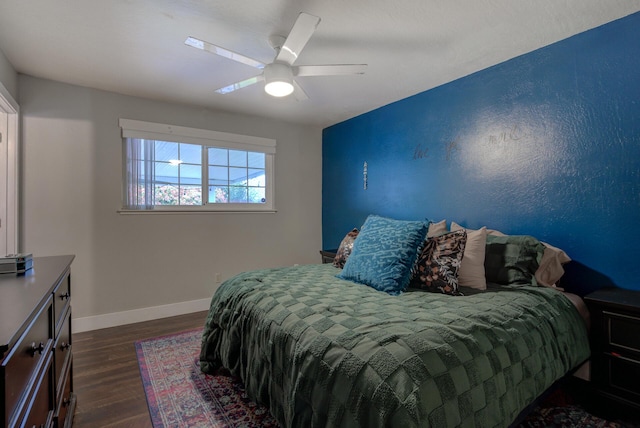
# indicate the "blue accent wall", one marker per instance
pixel 545 144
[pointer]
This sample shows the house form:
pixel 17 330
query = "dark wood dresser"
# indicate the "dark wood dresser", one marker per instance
pixel 35 345
pixel 615 346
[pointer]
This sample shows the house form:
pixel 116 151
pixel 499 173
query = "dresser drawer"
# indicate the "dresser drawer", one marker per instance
pixel 39 411
pixel 61 300
pixel 623 331
pixel 62 352
pixel 26 358
pixel 65 402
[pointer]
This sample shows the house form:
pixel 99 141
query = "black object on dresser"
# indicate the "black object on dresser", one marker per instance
pixel 35 345
pixel 615 346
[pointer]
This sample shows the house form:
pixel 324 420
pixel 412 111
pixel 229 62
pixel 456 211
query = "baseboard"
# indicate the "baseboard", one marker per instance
pixel 138 315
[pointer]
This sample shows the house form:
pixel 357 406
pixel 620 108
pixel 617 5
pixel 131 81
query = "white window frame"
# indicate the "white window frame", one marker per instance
pixel 205 138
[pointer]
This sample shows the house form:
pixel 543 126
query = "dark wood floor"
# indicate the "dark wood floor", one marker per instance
pixel 106 377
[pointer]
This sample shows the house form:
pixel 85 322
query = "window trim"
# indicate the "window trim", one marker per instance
pixel 206 138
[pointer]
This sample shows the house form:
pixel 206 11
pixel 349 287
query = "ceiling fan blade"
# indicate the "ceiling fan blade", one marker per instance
pixel 298 37
pixel 298 92
pixel 329 70
pixel 210 47
pixel 239 85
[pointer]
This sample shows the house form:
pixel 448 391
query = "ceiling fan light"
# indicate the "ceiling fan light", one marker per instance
pixel 278 80
pixel 278 89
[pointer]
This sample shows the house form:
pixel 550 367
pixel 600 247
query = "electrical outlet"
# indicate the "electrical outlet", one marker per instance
pixel 217 278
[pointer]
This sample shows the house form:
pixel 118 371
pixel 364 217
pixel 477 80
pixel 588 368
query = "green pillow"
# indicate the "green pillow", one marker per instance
pixel 512 259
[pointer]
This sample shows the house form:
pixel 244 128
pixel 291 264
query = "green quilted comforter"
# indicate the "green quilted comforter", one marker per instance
pixel 321 351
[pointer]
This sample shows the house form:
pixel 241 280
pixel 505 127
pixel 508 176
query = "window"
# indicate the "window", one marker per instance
pixel 169 168
pixel 236 176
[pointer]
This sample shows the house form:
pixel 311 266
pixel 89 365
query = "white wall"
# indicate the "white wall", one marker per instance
pixel 71 191
pixel 8 76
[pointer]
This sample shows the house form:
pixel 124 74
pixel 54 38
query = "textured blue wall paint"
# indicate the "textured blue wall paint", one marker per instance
pixel 546 144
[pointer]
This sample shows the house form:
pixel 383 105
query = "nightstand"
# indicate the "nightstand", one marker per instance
pixel 328 255
pixel 615 345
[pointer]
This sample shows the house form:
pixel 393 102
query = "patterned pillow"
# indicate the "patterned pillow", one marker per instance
pixel 439 262
pixel 384 253
pixel 346 246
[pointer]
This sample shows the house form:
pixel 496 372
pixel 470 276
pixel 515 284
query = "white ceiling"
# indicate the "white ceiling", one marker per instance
pixel 136 47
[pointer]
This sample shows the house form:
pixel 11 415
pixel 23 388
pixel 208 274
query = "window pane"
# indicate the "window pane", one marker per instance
pixel 256 160
pixel 218 175
pixel 238 176
pixel 166 194
pixel 191 174
pixel 166 151
pixel 218 156
pixel 191 195
pixel 191 153
pixel 237 195
pixel 237 158
pixel 256 177
pixel 166 173
pixel 218 194
pixel 257 195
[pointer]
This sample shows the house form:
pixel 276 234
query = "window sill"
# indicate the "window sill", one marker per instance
pixel 194 211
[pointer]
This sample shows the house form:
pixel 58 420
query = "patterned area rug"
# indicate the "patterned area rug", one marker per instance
pixel 180 395
pixel 567 416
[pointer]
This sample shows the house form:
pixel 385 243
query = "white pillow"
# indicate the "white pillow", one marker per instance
pixel 471 273
pixel 495 232
pixel 438 228
pixel 550 270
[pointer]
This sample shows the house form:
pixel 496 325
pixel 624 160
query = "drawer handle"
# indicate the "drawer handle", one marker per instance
pixel 36 348
pixel 65 296
pixel 64 346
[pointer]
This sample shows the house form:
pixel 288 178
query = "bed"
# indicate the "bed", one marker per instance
pixel 320 350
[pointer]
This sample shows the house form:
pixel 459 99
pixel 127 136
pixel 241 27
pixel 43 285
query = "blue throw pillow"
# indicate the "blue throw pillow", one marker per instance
pixel 384 253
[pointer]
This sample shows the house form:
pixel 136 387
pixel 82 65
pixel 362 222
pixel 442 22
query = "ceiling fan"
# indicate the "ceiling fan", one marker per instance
pixel 279 75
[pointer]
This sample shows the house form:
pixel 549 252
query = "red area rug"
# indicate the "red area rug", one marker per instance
pixel 180 395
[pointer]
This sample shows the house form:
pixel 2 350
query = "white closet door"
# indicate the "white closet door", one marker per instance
pixel 3 181
pixel 8 173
